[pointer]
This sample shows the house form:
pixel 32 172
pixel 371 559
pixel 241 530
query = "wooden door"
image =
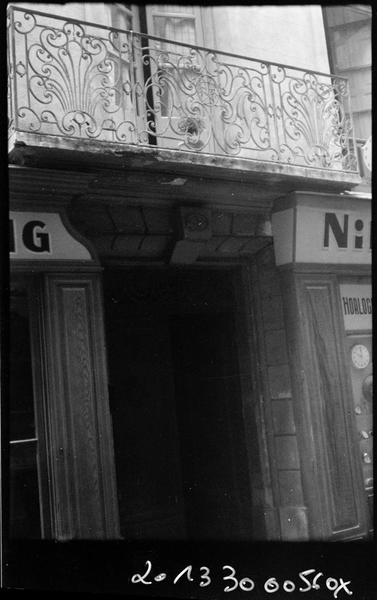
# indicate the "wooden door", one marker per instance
pixel 61 454
pixel 333 485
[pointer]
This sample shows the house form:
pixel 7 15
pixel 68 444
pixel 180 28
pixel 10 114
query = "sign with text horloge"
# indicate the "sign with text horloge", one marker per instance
pixel 356 302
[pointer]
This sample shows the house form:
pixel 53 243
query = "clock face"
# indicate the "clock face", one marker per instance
pixel 360 356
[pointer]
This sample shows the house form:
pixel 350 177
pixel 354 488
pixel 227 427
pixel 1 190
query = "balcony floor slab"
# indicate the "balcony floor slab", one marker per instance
pixel 29 149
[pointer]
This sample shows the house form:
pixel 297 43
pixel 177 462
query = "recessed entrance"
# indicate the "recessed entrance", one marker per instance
pixel 177 391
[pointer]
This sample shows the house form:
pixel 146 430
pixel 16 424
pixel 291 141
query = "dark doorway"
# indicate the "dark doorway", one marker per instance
pixel 24 502
pixel 176 402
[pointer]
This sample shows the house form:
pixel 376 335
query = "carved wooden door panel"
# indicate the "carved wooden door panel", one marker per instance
pixel 62 469
pixel 341 511
pixel 77 421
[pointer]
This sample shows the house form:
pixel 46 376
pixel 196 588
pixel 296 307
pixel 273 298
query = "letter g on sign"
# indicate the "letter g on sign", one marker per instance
pixel 34 239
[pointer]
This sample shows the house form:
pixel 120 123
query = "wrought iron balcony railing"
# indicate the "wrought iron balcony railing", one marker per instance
pixel 83 81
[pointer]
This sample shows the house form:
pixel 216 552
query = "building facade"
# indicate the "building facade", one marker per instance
pixel 190 249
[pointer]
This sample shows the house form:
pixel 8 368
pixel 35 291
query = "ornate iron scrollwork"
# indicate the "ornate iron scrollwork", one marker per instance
pixel 84 81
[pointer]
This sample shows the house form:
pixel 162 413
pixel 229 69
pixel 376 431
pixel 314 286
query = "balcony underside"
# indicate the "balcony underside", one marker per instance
pixel 269 179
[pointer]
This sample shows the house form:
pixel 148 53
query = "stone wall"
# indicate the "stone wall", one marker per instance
pixel 279 413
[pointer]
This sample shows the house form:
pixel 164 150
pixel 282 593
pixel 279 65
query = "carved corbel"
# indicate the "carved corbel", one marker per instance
pixel 195 226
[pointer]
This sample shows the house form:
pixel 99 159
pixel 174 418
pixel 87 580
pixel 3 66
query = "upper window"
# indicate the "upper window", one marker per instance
pixel 174 22
pixel 124 16
pixel 349 38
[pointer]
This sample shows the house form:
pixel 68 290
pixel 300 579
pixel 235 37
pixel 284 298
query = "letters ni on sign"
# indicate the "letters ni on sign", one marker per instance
pixel 323 233
pixel 42 236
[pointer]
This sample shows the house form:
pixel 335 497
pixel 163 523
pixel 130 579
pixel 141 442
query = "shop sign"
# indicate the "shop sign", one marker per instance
pixel 42 236
pixel 323 233
pixel 356 301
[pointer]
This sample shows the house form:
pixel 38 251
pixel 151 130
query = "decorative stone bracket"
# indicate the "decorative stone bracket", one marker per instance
pixel 195 228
